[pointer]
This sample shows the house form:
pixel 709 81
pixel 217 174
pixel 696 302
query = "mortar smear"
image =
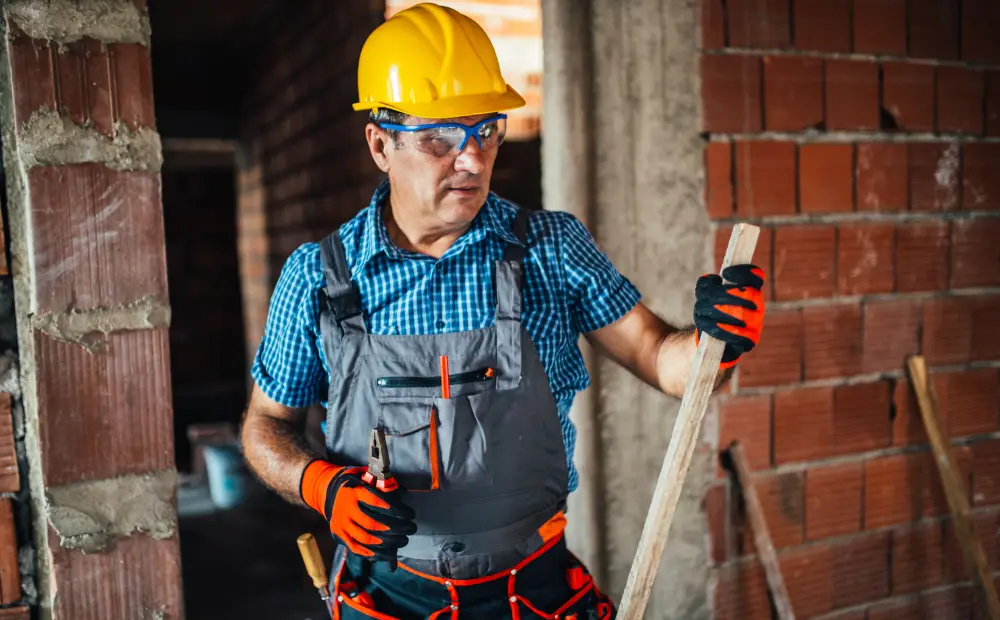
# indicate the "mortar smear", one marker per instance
pixel 49 139
pixel 65 21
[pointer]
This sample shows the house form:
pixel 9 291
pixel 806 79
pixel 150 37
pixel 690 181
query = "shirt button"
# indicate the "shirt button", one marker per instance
pixel 440 324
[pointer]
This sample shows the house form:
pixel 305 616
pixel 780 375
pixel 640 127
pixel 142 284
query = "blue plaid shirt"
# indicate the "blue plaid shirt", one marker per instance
pixel 570 287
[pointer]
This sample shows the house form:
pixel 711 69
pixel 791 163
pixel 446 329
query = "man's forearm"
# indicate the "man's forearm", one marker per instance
pixel 674 360
pixel 277 453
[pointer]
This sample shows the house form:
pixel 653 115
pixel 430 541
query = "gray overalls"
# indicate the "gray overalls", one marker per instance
pixel 485 468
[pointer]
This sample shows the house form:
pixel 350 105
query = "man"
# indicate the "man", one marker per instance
pixel 448 318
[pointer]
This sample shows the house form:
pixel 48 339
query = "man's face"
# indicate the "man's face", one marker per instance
pixel 430 175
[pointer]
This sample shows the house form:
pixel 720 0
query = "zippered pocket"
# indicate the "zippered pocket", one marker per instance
pixel 474 376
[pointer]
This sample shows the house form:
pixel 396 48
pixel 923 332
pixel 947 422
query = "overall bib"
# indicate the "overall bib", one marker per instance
pixel 485 468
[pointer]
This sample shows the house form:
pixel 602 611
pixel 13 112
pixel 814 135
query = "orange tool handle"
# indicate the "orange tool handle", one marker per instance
pixel 388 485
pixel 445 378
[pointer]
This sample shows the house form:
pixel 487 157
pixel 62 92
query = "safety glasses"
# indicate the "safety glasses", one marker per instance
pixel 440 139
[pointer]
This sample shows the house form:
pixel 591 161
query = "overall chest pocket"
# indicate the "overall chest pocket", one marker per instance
pixel 436 442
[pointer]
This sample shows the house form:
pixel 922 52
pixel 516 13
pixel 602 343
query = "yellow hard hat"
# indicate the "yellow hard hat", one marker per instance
pixel 431 61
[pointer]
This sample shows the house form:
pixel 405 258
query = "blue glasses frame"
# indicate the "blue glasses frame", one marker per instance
pixel 470 131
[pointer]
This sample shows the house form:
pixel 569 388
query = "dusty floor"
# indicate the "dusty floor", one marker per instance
pixel 244 562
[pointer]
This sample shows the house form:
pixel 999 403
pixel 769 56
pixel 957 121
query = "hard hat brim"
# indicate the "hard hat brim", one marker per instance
pixel 453 107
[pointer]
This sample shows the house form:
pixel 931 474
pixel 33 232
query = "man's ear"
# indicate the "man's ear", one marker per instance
pixel 378 144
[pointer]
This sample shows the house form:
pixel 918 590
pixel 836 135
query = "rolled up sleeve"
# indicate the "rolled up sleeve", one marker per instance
pixel 598 293
pixel 287 366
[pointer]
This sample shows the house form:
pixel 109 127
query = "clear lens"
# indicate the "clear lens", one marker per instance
pixel 440 141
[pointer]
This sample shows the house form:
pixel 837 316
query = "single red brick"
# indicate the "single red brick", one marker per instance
pixel 933 26
pixel 922 256
pixel 947 332
pixel 993 103
pixel 960 96
pixel 730 93
pixel 862 417
pixel 808 576
pixel 759 23
pixel 713 24
pixel 10 573
pixel 865 258
pixel 823 25
pixel 916 558
pixel 765 178
pixel 804 261
pixel 719 179
pixel 761 254
pixel 747 419
pixel 908 94
pixel 980 181
pixel 880 27
pixel 783 499
pixel 803 424
pixel 901 488
pixel 826 179
pixel 934 172
pixel 985 328
pixel 70 79
pixel 715 514
pixel 975 253
pixel 793 93
pixel 741 592
pixel 133 84
pixel 972 401
pixel 833 500
pixel 882 177
pixel 851 95
pixel 861 569
pixel 778 358
pixel 985 473
pixel 9 472
pixel 892 330
pixel 980 23
pixel 833 344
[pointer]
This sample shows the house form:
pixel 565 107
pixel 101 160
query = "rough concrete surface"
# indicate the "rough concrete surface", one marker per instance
pixel 65 21
pixel 90 327
pixel 90 516
pixel 49 139
pixel 648 216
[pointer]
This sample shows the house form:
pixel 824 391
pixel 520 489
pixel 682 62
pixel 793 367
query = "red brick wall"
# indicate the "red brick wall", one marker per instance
pixel 861 137
pixel 306 167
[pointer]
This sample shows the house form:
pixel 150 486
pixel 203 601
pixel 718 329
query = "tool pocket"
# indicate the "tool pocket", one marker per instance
pixel 434 442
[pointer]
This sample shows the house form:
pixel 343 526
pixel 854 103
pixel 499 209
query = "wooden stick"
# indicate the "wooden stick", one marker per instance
pixel 697 391
pixel 761 533
pixel 954 490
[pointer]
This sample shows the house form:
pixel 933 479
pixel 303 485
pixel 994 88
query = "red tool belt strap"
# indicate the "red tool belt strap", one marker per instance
pixel 579 581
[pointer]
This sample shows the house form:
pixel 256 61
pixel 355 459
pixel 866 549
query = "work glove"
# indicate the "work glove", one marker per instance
pixel 372 523
pixel 733 313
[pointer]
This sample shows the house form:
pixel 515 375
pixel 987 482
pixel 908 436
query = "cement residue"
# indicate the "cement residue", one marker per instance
pixel 90 327
pixel 90 516
pixel 65 21
pixel 49 139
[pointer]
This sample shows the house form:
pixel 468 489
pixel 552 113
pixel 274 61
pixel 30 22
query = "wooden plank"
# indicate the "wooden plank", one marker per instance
pixel 954 491
pixel 10 480
pixel 15 613
pixel 10 568
pixel 761 533
pixel 700 384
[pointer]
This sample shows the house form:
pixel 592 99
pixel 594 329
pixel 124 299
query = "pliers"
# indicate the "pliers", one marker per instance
pixel 378 473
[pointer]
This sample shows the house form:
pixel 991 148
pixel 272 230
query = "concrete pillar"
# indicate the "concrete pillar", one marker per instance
pixel 82 160
pixel 622 150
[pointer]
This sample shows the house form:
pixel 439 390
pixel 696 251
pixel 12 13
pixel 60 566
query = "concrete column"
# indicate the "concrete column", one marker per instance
pixel 622 149
pixel 82 160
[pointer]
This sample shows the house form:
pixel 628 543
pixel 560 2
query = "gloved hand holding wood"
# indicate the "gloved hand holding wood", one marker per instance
pixel 733 313
pixel 370 522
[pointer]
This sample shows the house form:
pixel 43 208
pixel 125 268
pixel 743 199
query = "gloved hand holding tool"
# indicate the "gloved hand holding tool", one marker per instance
pixel 732 313
pixel 364 508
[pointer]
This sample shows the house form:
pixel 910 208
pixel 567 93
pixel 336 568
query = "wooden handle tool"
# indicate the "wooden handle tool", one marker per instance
pixel 313 560
pixel 700 384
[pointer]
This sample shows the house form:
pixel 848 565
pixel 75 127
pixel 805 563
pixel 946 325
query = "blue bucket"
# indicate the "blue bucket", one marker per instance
pixel 227 475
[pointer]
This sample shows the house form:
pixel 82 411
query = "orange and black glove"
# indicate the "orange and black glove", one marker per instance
pixel 733 313
pixel 371 523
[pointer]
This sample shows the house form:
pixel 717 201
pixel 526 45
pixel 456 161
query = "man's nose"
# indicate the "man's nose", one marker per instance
pixel 471 159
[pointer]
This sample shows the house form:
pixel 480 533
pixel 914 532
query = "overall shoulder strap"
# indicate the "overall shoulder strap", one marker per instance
pixel 340 297
pixel 509 278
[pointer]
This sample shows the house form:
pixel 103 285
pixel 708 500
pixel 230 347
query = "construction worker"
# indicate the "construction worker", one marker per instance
pixel 447 319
